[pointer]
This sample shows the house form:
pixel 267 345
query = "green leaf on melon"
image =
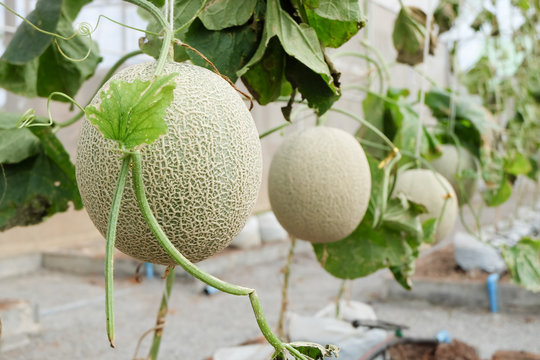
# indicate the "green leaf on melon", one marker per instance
pixel 133 114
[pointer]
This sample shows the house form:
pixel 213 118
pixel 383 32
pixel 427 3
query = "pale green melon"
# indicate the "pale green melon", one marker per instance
pixel 202 178
pixel 432 190
pixel 452 164
pixel 319 184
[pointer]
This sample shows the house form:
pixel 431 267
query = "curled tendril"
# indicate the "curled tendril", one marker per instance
pixel 85 29
pixel 27 120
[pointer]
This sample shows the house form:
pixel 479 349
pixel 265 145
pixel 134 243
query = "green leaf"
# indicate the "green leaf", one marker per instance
pixel 19 79
pixel 221 14
pixel 408 35
pixel 497 196
pixel 298 40
pixel 429 228
pixel 264 80
pixel 471 119
pixel 403 121
pixel 52 71
pixel 228 49
pixel 312 86
pixel 332 33
pixel 312 350
pixel 28 43
pixel 523 4
pixel 445 14
pixel 71 8
pixel 402 273
pixel 523 263
pixel 133 114
pixel 402 215
pixel 335 21
pixel 56 153
pixel 57 73
pixel 343 10
pixel 158 3
pixel 363 252
pixel 38 186
pixel 15 144
pixel 517 164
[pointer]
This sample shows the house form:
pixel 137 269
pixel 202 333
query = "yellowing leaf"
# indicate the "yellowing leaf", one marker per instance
pixel 133 114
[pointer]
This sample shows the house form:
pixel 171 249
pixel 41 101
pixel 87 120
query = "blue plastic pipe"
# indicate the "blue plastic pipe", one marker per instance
pixel 492 292
pixel 149 269
pixel 443 336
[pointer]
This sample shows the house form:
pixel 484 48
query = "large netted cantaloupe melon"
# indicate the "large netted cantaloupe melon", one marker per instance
pixel 455 164
pixel 202 178
pixel 319 184
pixel 432 190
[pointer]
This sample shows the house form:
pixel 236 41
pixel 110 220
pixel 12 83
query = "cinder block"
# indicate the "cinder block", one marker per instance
pixel 19 320
pixel 19 265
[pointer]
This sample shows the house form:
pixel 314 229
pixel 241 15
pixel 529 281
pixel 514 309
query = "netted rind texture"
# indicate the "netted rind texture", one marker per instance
pixel 450 163
pixel 430 189
pixel 202 178
pixel 319 184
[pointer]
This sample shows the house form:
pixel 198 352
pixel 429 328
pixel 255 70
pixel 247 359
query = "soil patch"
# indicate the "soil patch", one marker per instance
pixel 441 264
pixel 456 350
pixel 514 355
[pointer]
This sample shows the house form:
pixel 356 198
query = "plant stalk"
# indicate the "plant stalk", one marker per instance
pixel 285 289
pixel 339 297
pixel 167 33
pixel 162 314
pixel 188 266
pixel 273 130
pixel 109 250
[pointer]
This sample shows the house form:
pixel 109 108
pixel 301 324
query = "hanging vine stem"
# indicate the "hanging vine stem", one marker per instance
pixel 370 126
pixel 162 314
pixel 427 38
pixel 339 296
pixel 109 250
pixel 285 288
pixel 189 267
pixel 165 26
pixel 368 59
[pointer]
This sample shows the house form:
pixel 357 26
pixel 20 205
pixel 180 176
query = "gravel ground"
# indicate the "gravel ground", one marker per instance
pixel 73 322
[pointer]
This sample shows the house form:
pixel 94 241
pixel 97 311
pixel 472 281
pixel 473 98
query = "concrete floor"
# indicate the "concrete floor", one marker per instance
pixel 72 316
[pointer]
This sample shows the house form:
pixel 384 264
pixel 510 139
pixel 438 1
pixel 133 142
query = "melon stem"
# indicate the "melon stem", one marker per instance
pixel 188 266
pixel 109 250
pixel 165 26
pixel 285 289
pixel 162 314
